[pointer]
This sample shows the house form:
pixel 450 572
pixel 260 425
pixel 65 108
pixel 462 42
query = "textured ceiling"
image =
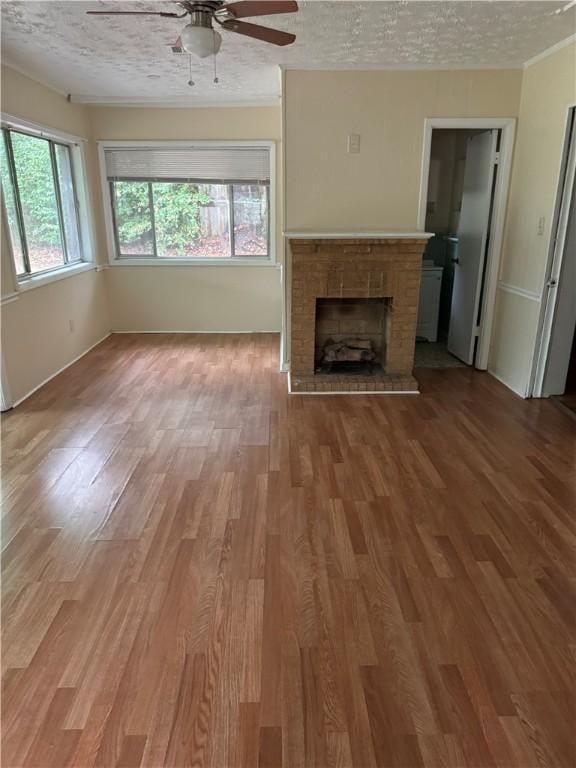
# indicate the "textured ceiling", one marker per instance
pixel 125 59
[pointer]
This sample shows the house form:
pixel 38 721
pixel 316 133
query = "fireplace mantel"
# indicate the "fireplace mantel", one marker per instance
pixel 358 235
pixel 363 265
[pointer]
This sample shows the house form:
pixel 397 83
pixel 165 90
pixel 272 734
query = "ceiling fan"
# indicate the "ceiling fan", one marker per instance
pixel 199 36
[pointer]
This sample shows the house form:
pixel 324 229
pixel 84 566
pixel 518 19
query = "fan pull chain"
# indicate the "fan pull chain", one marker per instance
pixel 216 80
pixel 190 82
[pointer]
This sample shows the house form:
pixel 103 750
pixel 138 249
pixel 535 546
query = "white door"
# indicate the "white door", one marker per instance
pixel 472 239
pixel 564 320
pixel 559 318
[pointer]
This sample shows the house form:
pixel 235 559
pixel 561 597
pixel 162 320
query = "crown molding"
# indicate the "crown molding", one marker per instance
pixel 396 68
pixel 184 103
pixel 550 51
pixel 32 76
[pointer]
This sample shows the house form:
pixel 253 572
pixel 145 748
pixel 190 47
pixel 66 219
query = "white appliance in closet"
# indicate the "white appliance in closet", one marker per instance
pixel 429 305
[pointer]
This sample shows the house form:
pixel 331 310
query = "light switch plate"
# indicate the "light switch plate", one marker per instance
pixel 353 143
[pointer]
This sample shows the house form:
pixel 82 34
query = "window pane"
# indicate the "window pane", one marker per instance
pixel 250 220
pixel 38 199
pixel 10 205
pixel 192 220
pixel 133 220
pixel 66 182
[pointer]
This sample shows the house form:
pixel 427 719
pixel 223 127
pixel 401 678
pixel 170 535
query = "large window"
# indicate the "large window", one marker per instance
pixel 40 201
pixel 189 202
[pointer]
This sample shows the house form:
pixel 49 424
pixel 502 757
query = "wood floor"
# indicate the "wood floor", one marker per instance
pixel 200 570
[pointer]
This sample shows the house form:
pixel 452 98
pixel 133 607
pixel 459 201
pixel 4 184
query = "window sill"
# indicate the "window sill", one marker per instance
pixel 209 262
pixel 30 283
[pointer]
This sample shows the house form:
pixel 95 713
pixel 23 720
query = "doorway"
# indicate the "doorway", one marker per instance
pixel 555 373
pixel 465 176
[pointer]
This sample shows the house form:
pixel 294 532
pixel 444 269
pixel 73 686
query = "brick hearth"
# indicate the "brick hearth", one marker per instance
pixel 384 267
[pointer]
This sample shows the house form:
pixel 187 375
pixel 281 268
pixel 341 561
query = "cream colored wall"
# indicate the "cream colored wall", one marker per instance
pixel 326 188
pixel 37 338
pixel 377 189
pixel 548 87
pixel 216 123
pixel 30 100
pixel 48 327
pixel 195 298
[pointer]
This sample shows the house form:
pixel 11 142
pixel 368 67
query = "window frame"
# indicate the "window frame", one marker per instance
pixel 76 148
pixel 116 259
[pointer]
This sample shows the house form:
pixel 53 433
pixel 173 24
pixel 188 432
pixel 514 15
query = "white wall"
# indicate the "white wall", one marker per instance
pixel 548 87
pixel 194 298
pixel 36 337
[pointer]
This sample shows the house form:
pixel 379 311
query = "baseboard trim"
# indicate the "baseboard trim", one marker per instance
pixel 524 396
pixel 196 333
pixel 60 370
pixel 355 394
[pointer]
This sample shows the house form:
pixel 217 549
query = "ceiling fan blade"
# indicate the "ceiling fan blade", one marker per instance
pixel 136 13
pixel 274 36
pixel 245 8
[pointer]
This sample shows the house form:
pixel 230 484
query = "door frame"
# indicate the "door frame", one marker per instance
pixel 507 125
pixel 5 396
pixel 558 232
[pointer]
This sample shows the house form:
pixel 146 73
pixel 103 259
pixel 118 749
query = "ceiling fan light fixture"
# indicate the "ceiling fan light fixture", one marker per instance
pixel 200 40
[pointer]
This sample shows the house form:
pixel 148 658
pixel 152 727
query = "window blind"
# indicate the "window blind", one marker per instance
pixel 210 164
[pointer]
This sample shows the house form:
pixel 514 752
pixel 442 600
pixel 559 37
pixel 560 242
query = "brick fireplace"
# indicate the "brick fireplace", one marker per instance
pixel 354 298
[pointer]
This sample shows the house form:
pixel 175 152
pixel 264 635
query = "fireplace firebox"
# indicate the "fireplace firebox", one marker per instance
pixel 351 335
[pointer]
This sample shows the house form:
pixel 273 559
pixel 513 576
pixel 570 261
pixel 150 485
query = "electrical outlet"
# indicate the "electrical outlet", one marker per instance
pixel 541 224
pixel 353 143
